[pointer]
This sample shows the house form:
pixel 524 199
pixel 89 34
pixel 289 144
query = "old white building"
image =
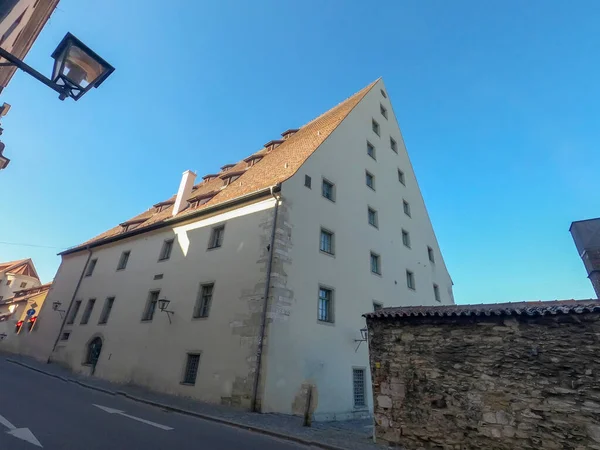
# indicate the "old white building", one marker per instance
pixel 17 275
pixel 325 223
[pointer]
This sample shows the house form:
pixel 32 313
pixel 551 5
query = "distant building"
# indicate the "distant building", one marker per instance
pixel 16 276
pixel 267 264
pixel 16 322
pixel 586 234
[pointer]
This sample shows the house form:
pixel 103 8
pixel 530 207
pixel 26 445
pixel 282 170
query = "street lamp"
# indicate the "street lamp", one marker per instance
pixel 77 68
pixel 163 304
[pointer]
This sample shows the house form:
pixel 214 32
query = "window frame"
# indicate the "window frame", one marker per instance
pixel 148 313
pixel 430 254
pixel 375 127
pixel 410 280
pixel 201 306
pixel 376 216
pixel 106 310
pixel 73 313
pixel 307 181
pixel 325 231
pixel 23 285
pixel 377 258
pixel 217 234
pixel 436 293
pixel 186 369
pixel 364 404
pixel 123 260
pixel 9 282
pixel 325 182
pixel 393 145
pixel 330 319
pixel 406 234
pixel 165 255
pixel 87 312
pixel 371 151
pixel 383 111
pixel 406 208
pixel 89 270
pixel 370 176
pixel 383 93
pixel 401 177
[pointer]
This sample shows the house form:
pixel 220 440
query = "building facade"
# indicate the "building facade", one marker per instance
pixel 267 267
pixel 16 276
pixel 586 234
pixel 497 376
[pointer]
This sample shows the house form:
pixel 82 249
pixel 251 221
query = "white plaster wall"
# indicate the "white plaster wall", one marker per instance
pixel 153 353
pixel 303 350
pixel 8 291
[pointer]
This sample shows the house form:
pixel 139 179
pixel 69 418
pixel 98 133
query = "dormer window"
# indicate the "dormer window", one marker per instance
pixel 289 133
pixel 201 199
pixel 272 145
pixel 227 167
pixel 209 177
pixel 161 206
pixel 230 177
pixel 132 224
pixel 251 160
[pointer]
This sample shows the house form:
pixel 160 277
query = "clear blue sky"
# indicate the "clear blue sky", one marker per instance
pixel 498 103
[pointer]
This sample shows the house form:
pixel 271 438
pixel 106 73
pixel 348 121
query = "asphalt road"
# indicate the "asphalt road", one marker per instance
pixel 63 416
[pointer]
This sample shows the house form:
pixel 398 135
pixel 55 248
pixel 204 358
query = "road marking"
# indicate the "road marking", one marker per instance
pixel 20 433
pixel 122 413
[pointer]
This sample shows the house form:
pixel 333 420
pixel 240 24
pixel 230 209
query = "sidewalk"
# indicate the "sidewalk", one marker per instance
pixel 346 435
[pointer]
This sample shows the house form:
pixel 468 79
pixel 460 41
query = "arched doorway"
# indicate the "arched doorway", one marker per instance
pixel 93 352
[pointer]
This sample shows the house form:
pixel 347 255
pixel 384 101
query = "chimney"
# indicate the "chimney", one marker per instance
pixel 185 190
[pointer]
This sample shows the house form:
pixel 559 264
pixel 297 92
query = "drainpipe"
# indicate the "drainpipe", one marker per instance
pixel 263 323
pixel 62 326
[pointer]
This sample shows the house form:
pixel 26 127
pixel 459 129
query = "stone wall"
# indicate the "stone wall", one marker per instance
pixel 487 382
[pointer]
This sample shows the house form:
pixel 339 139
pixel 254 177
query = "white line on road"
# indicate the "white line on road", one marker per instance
pixel 122 413
pixel 20 433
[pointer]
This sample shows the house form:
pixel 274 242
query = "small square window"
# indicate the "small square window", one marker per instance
pixel 328 190
pixel 393 145
pixel 372 215
pixel 326 242
pixel 90 268
pixel 375 127
pixel 430 254
pixel 191 368
pixel 216 237
pixel 204 300
pixel 406 207
pixel 370 180
pixel 410 280
pixel 150 306
pixel 377 306
pixel 8 282
pixel 371 150
pixel 383 111
pixel 375 263
pixel 23 284
pixel 65 336
pixel 401 177
pixel 436 293
pixel 383 93
pixel 123 260
pixel 307 181
pixel 325 307
pixel 165 251
pixel 406 238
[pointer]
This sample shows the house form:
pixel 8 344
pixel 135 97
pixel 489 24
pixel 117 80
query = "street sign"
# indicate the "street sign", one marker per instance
pixel 30 312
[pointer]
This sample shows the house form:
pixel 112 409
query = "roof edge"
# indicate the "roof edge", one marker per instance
pixel 177 219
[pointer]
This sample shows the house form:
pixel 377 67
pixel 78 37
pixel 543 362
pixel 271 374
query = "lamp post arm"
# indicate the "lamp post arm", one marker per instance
pixel 31 71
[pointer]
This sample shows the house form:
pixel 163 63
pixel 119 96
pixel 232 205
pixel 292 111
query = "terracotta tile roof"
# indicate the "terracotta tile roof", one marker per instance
pixel 19 267
pixel 493 309
pixel 275 167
